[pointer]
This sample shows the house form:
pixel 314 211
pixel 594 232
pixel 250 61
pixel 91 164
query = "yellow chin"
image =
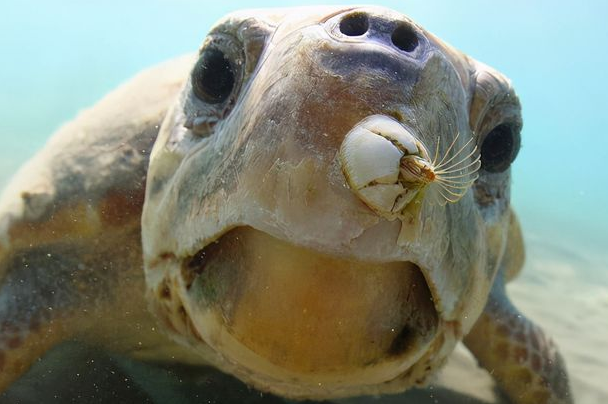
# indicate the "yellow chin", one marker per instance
pixel 292 313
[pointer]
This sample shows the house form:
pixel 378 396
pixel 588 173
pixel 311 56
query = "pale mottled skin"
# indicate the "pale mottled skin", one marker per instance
pixel 263 169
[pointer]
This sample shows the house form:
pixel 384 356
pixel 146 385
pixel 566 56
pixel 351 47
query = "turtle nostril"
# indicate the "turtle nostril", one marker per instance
pixel 355 24
pixel 405 38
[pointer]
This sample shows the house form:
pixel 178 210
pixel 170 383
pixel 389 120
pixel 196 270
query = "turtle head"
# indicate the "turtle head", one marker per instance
pixel 328 200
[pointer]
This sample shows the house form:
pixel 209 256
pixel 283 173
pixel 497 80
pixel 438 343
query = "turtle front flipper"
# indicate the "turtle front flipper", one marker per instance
pixel 29 320
pixel 67 276
pixel 517 353
pixel 70 235
pixel 37 303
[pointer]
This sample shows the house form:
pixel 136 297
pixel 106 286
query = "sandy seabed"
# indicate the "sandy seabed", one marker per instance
pixel 561 288
pixel 565 290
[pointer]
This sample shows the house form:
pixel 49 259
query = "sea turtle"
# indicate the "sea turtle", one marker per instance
pixel 317 203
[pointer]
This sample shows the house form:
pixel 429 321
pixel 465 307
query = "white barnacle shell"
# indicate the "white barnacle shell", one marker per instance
pixel 381 197
pixel 393 131
pixel 368 158
pixel 371 156
pixel 386 166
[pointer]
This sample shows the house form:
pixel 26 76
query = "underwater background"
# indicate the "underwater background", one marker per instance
pixel 59 57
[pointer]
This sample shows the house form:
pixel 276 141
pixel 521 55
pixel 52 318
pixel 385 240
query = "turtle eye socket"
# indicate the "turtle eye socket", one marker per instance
pixel 499 148
pixel 213 77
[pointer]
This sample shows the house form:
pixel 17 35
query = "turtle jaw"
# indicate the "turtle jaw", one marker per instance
pixel 304 323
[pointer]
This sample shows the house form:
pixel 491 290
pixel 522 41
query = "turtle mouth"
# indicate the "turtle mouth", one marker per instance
pixel 291 314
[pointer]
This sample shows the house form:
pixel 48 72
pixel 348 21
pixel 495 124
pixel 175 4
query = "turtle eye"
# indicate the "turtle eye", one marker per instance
pixel 213 76
pixel 499 148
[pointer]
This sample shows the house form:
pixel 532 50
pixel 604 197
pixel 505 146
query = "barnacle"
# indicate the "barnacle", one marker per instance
pixel 386 166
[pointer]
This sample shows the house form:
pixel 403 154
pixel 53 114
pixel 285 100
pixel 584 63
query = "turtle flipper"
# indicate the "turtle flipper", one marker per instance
pixel 32 312
pixel 70 238
pixel 523 360
pixel 68 287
